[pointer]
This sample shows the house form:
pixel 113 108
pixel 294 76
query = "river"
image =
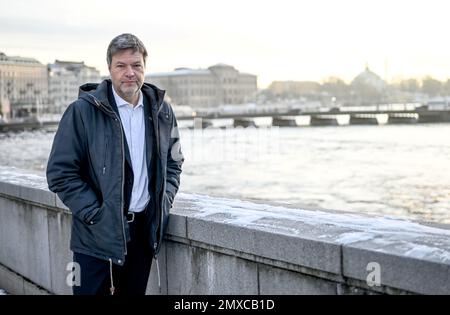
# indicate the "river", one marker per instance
pixel 392 170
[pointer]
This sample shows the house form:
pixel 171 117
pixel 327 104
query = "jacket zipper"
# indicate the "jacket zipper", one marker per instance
pixel 99 104
pixel 156 124
pixel 123 184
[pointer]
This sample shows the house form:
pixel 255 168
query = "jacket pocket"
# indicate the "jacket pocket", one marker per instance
pixel 165 115
pixel 169 201
pixel 94 216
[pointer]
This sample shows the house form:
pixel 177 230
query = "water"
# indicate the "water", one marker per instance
pixel 391 170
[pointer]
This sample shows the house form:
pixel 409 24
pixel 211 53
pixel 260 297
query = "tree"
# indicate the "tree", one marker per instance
pixel 431 87
pixel 446 88
pixel 409 85
pixel 335 87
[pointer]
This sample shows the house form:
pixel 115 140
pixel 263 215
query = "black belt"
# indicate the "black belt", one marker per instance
pixel 131 216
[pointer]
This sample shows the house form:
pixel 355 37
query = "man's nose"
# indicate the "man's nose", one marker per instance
pixel 129 71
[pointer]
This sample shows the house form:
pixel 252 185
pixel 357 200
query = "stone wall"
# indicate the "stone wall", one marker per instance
pixel 228 246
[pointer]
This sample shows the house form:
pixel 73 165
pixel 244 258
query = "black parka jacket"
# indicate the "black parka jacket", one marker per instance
pixel 89 169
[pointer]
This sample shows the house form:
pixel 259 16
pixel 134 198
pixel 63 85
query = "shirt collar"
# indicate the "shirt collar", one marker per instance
pixel 121 102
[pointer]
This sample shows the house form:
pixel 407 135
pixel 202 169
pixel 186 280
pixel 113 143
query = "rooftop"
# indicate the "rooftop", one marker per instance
pixel 369 77
pixel 17 59
pixel 184 71
pixel 181 72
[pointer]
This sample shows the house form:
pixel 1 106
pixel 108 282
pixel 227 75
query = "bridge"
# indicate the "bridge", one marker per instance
pixel 359 115
pixel 282 116
pixel 30 123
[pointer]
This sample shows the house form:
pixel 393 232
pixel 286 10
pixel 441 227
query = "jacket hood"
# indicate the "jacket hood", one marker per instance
pixel 95 91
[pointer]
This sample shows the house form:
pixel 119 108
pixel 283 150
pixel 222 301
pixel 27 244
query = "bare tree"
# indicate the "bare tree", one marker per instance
pixel 431 87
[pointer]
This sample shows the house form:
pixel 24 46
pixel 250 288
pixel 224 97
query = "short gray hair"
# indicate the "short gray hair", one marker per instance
pixel 123 42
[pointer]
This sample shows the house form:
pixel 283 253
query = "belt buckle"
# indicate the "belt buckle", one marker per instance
pixel 130 214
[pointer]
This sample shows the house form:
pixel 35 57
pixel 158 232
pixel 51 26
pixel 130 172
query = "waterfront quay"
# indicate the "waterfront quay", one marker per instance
pixel 228 246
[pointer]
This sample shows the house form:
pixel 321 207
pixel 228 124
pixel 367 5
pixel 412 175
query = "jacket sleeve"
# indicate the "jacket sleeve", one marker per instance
pixel 175 160
pixel 64 168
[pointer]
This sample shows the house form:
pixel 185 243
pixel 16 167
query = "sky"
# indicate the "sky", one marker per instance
pixel 273 39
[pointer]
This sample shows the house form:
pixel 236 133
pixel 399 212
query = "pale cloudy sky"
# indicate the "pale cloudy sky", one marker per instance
pixel 274 39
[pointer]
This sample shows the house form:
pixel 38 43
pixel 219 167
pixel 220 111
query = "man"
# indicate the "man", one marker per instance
pixel 116 164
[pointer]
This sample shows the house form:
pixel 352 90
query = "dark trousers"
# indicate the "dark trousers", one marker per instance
pixel 129 279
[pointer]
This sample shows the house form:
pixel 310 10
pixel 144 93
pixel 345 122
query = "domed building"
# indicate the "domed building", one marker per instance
pixel 368 87
pixel 370 78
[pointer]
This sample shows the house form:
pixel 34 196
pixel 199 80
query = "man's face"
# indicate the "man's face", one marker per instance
pixel 127 74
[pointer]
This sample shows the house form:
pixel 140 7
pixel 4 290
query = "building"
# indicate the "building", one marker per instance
pixel 217 85
pixel 64 80
pixel 369 78
pixel 23 86
pixel 294 89
pixel 368 88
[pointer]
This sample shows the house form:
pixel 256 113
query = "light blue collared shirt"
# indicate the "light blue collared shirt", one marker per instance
pixel 134 126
